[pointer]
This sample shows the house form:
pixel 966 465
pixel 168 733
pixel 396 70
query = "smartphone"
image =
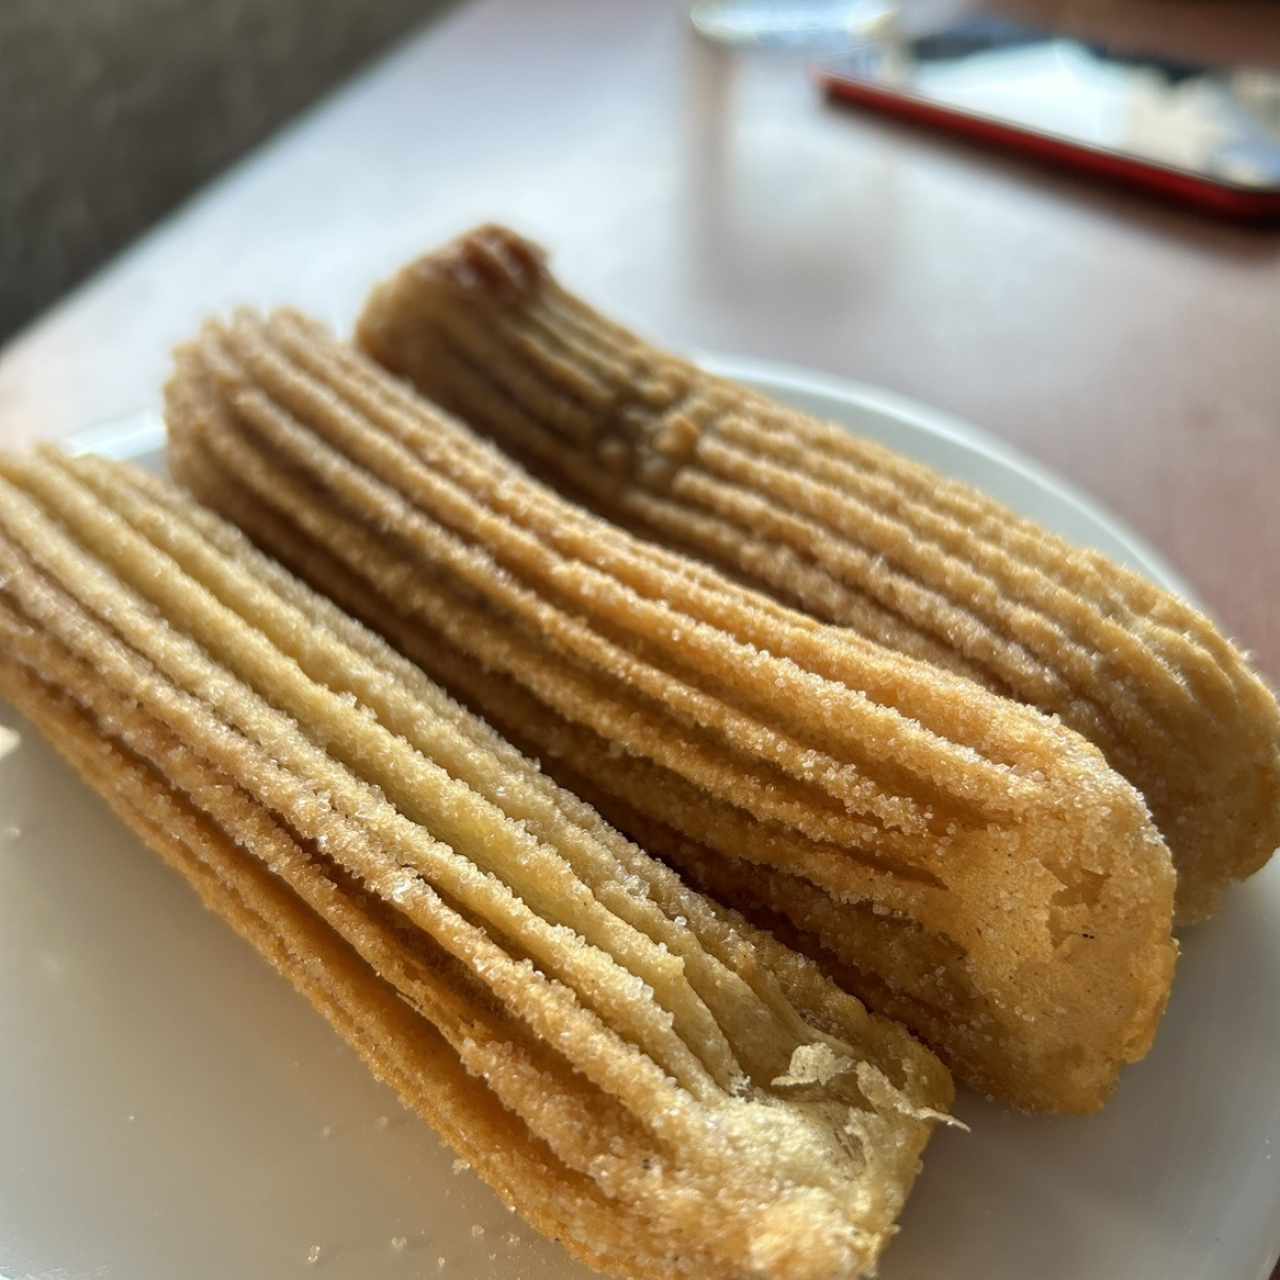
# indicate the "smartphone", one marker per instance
pixel 1208 136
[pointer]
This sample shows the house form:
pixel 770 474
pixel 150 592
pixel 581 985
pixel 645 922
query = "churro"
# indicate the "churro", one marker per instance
pixel 643 1075
pixel 970 857
pixel 852 533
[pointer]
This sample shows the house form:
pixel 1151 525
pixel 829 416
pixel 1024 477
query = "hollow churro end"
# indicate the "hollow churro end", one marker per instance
pixel 1078 933
pixel 857 535
pixel 973 867
pixel 603 1045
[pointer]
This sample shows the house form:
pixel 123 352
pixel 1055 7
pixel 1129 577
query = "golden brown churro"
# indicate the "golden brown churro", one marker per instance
pixel 852 533
pixel 976 866
pixel 648 1079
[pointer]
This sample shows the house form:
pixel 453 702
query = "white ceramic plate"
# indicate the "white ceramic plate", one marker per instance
pixel 169 1107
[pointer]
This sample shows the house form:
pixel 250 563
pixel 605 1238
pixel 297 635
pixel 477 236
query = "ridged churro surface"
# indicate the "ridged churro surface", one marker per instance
pixel 972 858
pixel 852 533
pixel 644 1076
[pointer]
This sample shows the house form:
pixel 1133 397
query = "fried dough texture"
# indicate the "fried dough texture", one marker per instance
pixel 641 1074
pixel 854 534
pixel 976 867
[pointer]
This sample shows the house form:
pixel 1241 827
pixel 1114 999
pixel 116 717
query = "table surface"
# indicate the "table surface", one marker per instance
pixel 716 202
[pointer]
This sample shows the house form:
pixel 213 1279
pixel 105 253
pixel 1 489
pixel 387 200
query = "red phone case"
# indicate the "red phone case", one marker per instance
pixel 1224 199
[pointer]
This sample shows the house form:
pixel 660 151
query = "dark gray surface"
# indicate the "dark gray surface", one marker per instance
pixel 111 111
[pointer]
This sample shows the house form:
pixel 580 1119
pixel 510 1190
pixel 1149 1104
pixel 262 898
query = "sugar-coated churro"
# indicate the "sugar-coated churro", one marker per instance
pixel 966 854
pixel 646 1077
pixel 853 533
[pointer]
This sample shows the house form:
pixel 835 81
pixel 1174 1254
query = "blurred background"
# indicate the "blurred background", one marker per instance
pixel 111 111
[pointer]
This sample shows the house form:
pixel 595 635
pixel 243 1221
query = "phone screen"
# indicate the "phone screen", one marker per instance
pixel 1221 122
